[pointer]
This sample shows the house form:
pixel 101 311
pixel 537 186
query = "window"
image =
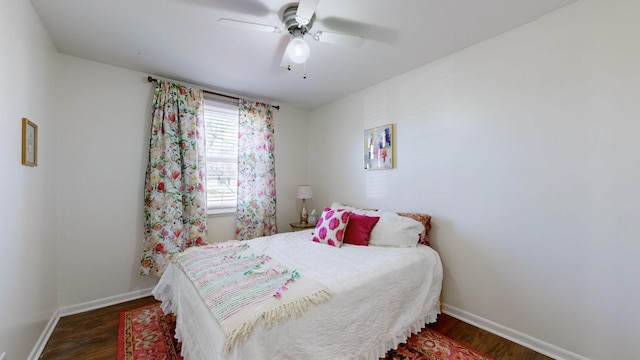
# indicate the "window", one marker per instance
pixel 221 135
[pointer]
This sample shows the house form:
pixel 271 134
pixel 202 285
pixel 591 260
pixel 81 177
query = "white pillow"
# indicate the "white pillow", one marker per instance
pixel 337 206
pixel 395 230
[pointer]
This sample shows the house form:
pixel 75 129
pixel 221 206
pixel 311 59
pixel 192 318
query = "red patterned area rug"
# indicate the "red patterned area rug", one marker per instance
pixel 429 344
pixel 146 333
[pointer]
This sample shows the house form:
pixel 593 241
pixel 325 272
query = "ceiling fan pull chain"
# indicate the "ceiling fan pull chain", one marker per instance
pixel 304 70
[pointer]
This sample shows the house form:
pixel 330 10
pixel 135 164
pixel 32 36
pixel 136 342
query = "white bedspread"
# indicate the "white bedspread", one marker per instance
pixel 381 296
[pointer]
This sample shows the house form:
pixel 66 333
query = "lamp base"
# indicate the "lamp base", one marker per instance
pixel 303 214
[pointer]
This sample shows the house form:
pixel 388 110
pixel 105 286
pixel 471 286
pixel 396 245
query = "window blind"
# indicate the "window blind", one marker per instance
pixel 221 136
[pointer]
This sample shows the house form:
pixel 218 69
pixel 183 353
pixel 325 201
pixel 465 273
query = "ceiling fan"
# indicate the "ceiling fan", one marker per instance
pixel 297 20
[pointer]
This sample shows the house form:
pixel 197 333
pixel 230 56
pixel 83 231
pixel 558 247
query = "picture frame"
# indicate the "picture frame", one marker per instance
pixel 29 143
pixel 379 148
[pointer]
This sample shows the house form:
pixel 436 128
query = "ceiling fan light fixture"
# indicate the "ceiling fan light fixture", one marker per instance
pixel 298 50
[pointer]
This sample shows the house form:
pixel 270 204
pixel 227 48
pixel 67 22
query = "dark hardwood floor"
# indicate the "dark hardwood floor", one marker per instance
pixel 93 335
pixel 483 341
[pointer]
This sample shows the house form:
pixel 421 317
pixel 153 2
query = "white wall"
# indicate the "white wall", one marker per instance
pixel 525 149
pixel 104 131
pixel 292 162
pixel 28 275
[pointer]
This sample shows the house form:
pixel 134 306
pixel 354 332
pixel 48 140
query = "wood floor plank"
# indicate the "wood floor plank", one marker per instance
pixel 93 335
pixel 483 341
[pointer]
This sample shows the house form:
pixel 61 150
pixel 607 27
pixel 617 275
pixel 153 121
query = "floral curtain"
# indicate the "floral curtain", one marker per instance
pixel 175 206
pixel 256 211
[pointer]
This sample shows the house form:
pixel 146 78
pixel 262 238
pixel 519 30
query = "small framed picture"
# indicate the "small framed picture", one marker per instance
pixel 29 143
pixel 379 148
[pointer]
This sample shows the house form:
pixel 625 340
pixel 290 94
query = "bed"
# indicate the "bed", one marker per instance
pixel 379 295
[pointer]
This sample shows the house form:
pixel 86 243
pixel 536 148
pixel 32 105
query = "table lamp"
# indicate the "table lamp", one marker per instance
pixel 304 193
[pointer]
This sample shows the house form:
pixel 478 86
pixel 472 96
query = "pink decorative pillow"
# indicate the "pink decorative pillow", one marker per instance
pixel 359 229
pixel 331 227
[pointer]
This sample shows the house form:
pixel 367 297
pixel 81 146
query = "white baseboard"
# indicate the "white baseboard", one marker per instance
pixel 100 303
pixel 80 308
pixel 44 337
pixel 538 345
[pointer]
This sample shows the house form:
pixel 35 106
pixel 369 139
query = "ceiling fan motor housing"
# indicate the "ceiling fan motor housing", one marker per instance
pixel 291 23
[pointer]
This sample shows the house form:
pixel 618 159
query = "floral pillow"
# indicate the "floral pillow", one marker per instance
pixel 331 227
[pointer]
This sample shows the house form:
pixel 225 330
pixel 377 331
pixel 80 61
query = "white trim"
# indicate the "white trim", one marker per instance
pixel 100 303
pixel 44 337
pixel 523 339
pixel 80 308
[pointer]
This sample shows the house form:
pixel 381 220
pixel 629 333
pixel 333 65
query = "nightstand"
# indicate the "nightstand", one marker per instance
pixel 299 226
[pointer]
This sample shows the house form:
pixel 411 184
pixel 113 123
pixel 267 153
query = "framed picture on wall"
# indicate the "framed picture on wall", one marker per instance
pixel 29 143
pixel 379 148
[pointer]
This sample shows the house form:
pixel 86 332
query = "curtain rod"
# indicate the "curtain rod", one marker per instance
pixel 151 79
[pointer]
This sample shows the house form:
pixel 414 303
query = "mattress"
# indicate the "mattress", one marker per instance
pixel 380 296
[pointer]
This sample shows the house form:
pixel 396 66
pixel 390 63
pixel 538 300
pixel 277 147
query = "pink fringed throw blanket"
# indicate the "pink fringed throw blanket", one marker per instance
pixel 242 287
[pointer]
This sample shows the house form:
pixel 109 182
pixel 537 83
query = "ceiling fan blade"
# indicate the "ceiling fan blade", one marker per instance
pixel 249 26
pixel 285 62
pixel 338 39
pixel 280 54
pixel 305 11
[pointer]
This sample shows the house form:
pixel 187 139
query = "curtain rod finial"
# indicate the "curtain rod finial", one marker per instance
pixel 150 79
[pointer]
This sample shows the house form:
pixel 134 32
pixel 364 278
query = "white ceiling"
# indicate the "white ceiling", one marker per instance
pixel 182 40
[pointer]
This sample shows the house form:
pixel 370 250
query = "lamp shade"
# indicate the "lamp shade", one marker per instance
pixel 298 50
pixel 304 192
